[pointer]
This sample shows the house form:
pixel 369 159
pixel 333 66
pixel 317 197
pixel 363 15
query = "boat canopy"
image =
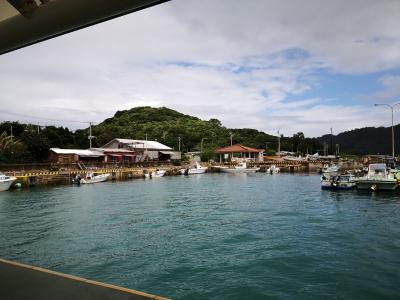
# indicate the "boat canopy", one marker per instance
pixel 373 167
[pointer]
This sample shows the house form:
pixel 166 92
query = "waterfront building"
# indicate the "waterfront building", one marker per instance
pixel 240 152
pixel 118 155
pixel 144 150
pixel 67 156
pixel 116 151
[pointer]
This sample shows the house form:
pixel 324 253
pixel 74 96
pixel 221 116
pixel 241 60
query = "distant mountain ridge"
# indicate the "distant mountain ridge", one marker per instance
pixel 367 140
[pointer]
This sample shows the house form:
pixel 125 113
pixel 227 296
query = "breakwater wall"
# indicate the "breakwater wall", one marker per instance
pixel 43 178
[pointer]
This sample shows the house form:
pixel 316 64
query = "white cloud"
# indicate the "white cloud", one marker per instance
pixel 241 62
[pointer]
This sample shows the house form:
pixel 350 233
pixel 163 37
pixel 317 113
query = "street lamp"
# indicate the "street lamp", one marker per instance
pixel 391 106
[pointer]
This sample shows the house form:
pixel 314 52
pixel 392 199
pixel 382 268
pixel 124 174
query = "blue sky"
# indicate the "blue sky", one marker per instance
pixel 265 64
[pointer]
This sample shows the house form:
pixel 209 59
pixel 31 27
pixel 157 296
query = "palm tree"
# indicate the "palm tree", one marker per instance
pixel 8 143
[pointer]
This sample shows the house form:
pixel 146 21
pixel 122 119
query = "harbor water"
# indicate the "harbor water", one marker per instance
pixel 212 236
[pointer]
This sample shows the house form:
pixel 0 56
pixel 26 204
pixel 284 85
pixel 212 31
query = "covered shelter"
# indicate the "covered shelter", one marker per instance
pixel 240 152
pixel 67 156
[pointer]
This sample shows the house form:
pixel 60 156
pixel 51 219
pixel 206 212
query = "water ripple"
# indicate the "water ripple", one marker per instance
pixel 217 236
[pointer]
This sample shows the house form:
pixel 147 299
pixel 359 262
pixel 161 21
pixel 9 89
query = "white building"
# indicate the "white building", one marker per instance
pixel 143 149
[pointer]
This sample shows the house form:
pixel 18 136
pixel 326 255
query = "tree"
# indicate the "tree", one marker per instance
pixel 11 148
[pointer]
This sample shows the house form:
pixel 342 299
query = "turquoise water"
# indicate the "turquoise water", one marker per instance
pixel 219 236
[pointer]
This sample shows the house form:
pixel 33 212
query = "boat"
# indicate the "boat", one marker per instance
pixel 6 181
pixel 91 177
pixel 273 169
pixel 340 182
pixel 239 168
pixel 377 178
pixel 197 169
pixel 155 174
pixel 332 168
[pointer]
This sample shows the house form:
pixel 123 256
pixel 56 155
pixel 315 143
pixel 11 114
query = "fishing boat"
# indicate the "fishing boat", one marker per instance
pixel 377 178
pixel 6 181
pixel 91 177
pixel 155 174
pixel 340 182
pixel 273 169
pixel 239 168
pixel 197 169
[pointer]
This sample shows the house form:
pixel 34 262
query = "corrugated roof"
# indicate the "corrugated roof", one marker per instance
pixel 142 144
pixel 114 150
pixel 80 152
pixel 238 148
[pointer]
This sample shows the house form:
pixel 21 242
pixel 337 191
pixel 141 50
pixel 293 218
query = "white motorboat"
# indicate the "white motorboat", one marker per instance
pixel 327 169
pixel 197 169
pixel 239 168
pixel 377 178
pixel 273 169
pixel 92 178
pixel 340 182
pixel 155 174
pixel 6 181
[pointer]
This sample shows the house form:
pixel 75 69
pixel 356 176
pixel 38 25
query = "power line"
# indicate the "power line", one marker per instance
pixel 41 118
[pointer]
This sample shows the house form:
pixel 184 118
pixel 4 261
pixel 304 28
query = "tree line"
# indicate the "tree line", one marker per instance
pixel 31 143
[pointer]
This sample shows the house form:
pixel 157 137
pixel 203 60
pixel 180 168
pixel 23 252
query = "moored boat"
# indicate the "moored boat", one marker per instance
pixel 239 168
pixel 6 181
pixel 273 169
pixel 197 169
pixel 155 174
pixel 377 178
pixel 340 182
pixel 91 177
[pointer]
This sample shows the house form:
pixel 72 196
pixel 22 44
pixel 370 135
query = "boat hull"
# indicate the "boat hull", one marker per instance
pixel 98 178
pixel 156 174
pixel 376 185
pixel 232 170
pixel 5 184
pixel 328 185
pixel 193 171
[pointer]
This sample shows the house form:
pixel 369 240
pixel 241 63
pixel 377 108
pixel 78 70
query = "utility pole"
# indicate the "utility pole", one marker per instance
pixel 90 135
pixel 146 143
pixel 391 106
pixel 11 136
pixel 231 134
pixel 279 142
pixel 179 140
pixel 201 148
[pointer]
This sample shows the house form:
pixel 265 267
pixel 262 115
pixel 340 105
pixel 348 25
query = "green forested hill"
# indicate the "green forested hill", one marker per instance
pixel 368 140
pixel 166 126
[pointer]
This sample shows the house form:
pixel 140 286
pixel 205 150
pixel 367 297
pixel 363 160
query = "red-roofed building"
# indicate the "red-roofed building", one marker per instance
pixel 240 152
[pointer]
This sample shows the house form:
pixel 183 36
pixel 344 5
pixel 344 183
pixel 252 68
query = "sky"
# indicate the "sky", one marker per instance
pixel 271 65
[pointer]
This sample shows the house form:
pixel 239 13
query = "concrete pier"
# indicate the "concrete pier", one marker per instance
pixel 43 178
pixel 20 281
